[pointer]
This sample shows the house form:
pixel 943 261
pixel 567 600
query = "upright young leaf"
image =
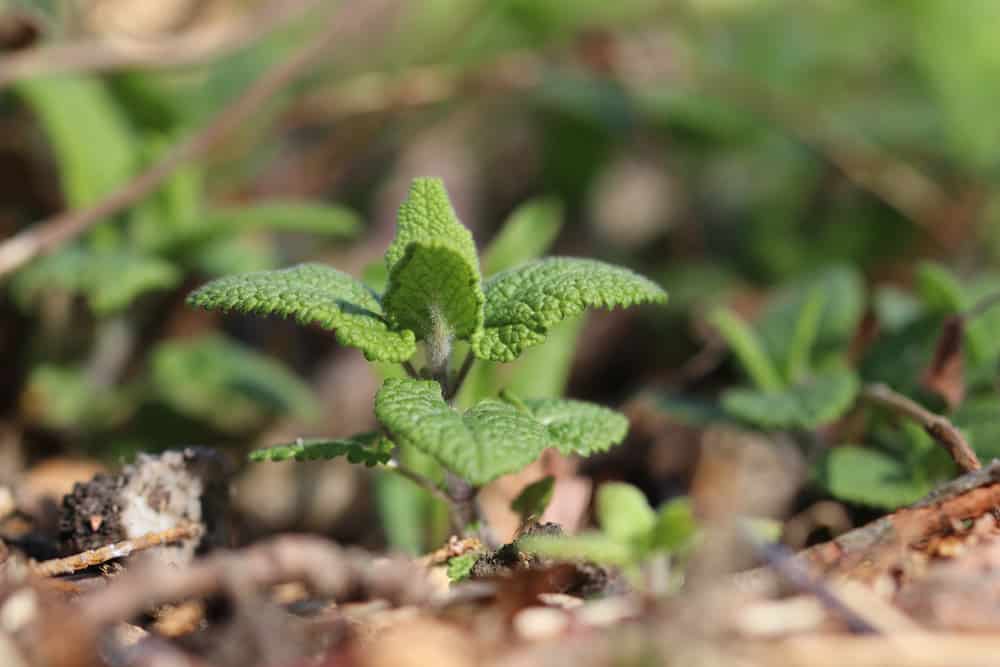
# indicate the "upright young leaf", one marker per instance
pixel 89 135
pixel 804 336
pixel 369 448
pixel 526 235
pixel 312 294
pixel 748 350
pixel 578 427
pixel 492 439
pixel 434 282
pixel 522 303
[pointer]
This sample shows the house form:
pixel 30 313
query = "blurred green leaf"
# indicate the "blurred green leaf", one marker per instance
pixel 596 547
pixel 808 404
pixel 109 280
pixel 747 348
pixel 90 137
pixel 227 384
pixel 624 513
pixel 675 527
pixel 869 477
pixel 525 235
pixel 533 499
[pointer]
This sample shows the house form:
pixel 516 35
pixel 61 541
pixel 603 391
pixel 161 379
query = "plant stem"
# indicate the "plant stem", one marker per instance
pixel 463 502
pixel 410 370
pixel 938 427
pixel 459 379
pixel 424 483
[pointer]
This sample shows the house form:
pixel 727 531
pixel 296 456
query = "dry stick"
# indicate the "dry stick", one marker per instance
pixel 191 48
pixel 350 21
pixel 938 427
pixel 327 570
pixel 101 555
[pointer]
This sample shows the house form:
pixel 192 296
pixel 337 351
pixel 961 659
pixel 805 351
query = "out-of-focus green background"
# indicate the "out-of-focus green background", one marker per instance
pixel 729 149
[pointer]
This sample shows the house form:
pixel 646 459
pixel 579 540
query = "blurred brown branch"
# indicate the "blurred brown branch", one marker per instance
pixel 938 427
pixel 350 21
pixel 189 48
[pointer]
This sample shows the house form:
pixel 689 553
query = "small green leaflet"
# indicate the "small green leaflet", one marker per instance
pixel 492 439
pixel 313 294
pixel 522 303
pixel 372 449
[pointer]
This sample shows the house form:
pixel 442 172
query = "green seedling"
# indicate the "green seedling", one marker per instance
pixel 435 302
pixel 642 541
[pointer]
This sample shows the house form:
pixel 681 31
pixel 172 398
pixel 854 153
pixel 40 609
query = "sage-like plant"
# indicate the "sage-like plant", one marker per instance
pixel 436 300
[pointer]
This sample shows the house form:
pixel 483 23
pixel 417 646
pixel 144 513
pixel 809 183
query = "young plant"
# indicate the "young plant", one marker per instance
pixel 642 541
pixel 795 359
pixel 436 301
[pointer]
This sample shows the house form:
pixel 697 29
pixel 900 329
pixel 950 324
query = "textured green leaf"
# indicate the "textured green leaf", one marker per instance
pixel 372 449
pixel 89 136
pixel 110 280
pixel 312 294
pixel 624 513
pixel 492 439
pixel 592 546
pixel 534 498
pixel 522 303
pixel 227 384
pixel 427 216
pixel 434 286
pixel 578 427
pixel 435 292
pixel 818 400
pixel 867 476
pixel 675 526
pixel 748 350
pixel 526 235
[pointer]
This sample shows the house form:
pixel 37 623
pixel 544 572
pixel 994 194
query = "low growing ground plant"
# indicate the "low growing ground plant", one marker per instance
pixel 434 303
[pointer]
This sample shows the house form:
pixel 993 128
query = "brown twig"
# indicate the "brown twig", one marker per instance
pixel 326 569
pixel 938 427
pixel 350 21
pixel 101 555
pixel 190 48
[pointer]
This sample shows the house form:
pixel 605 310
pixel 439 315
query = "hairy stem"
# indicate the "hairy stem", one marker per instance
pixel 438 348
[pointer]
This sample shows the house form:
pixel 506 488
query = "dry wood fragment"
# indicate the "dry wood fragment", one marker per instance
pixel 938 427
pixel 82 561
